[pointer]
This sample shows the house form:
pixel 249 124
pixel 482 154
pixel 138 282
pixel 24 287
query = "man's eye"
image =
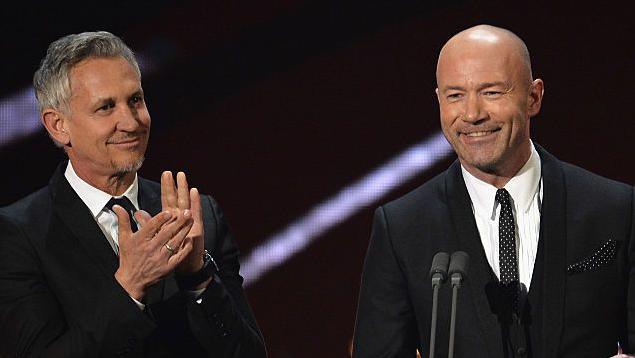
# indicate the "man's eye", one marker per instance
pixel 492 93
pixel 136 100
pixel 453 96
pixel 106 107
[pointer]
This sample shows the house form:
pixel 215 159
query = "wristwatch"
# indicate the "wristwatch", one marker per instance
pixel 191 281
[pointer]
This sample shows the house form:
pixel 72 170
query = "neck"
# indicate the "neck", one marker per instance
pixel 501 174
pixel 497 180
pixel 113 184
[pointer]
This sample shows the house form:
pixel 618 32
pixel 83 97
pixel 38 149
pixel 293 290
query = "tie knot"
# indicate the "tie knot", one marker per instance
pixel 502 196
pixel 124 202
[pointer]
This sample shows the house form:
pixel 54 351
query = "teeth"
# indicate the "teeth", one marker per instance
pixel 478 134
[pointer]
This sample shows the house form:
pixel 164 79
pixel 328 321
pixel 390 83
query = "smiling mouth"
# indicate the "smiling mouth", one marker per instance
pixel 130 141
pixel 126 140
pixel 480 133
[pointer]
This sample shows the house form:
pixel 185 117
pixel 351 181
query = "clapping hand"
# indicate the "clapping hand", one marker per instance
pixel 178 199
pixel 146 255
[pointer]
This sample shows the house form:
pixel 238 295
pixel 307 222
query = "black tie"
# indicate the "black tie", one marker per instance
pixel 508 262
pixel 125 203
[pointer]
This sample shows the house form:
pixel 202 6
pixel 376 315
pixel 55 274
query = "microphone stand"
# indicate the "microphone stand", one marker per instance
pixel 439 273
pixel 456 284
pixel 458 269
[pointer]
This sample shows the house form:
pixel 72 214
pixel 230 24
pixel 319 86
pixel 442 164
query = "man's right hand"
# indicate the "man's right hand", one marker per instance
pixel 143 256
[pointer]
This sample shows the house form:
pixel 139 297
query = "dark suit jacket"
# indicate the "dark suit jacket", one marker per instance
pixel 579 312
pixel 59 297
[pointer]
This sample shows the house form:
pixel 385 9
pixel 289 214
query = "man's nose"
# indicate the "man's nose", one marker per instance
pixel 473 111
pixel 128 119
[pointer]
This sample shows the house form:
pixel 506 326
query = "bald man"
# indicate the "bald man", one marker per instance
pixel 550 244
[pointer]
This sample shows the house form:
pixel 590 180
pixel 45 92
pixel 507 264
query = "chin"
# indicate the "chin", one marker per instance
pixel 489 168
pixel 130 166
pixel 485 165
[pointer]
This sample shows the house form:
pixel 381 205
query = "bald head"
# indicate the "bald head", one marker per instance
pixel 486 98
pixel 491 40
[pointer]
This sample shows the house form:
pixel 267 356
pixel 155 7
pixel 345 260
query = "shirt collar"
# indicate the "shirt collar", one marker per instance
pixel 522 187
pixel 94 198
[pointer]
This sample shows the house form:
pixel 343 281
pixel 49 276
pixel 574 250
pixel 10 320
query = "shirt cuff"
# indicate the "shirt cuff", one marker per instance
pixel 139 304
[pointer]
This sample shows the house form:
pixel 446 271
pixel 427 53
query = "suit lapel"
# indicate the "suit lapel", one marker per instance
pixel 149 197
pixel 553 237
pixel 72 211
pixel 480 276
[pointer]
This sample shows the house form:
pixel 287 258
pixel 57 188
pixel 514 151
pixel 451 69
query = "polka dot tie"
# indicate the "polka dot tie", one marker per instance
pixel 508 262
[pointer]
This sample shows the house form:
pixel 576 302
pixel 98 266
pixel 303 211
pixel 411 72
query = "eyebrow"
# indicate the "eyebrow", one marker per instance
pixel 101 100
pixel 480 86
pixel 138 92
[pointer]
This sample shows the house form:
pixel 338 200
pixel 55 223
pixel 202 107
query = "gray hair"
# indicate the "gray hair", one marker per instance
pixel 52 80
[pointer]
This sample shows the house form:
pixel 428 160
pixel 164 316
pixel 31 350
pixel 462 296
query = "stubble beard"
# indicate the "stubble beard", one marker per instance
pixel 486 163
pixel 122 170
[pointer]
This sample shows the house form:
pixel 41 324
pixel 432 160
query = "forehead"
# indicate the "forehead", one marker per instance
pixel 476 64
pixel 103 77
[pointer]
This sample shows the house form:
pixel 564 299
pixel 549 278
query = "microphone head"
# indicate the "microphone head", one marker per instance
pixel 459 263
pixel 440 265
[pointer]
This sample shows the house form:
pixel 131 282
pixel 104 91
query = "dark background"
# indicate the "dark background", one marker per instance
pixel 273 106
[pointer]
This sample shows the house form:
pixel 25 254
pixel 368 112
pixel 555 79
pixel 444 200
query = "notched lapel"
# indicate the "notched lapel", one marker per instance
pixel 553 236
pixel 480 276
pixel 77 218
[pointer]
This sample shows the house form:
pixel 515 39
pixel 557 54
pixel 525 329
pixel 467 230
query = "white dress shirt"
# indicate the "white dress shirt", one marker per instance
pixel 96 201
pixel 525 189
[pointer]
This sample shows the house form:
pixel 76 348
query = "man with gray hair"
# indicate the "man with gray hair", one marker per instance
pixel 102 262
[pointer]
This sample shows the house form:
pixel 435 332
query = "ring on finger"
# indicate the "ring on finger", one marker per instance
pixel 169 248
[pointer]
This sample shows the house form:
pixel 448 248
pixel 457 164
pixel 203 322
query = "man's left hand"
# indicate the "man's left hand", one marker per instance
pixel 176 199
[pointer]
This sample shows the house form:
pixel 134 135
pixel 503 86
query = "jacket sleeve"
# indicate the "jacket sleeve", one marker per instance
pixel 385 324
pixel 222 320
pixel 32 323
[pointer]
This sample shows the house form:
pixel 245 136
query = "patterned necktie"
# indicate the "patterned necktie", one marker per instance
pixel 508 262
pixel 125 203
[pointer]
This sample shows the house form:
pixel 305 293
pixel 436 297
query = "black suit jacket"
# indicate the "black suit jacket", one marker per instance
pixel 59 297
pixel 577 310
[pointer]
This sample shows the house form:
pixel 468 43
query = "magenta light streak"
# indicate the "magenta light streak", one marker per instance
pixel 301 233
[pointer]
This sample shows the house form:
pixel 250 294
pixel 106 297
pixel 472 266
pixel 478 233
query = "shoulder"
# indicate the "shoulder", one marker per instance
pixel 581 181
pixel 26 221
pixel 29 209
pixel 426 201
pixel 592 197
pixel 577 177
pixel 587 194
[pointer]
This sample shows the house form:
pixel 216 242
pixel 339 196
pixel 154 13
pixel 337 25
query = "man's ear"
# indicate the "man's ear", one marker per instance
pixel 55 124
pixel 536 91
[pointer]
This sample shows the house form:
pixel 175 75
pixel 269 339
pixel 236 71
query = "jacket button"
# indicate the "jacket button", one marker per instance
pixel 521 351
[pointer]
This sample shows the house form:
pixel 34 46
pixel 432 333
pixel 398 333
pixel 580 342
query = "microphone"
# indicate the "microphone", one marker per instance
pixel 459 263
pixel 438 275
pixel 439 268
